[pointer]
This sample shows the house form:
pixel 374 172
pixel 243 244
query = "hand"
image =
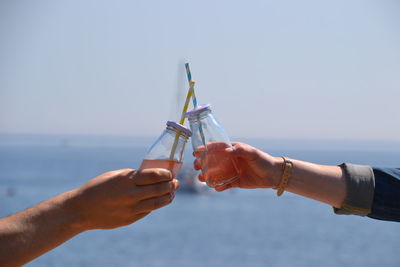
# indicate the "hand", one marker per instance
pixel 121 197
pixel 256 168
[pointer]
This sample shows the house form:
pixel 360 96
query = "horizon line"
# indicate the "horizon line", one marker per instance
pixel 271 138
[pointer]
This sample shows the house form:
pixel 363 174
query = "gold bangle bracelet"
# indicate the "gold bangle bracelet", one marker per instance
pixel 287 168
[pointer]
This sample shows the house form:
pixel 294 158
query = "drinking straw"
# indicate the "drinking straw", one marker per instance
pixel 189 77
pixel 189 95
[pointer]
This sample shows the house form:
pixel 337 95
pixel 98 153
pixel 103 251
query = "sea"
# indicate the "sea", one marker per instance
pixel 235 228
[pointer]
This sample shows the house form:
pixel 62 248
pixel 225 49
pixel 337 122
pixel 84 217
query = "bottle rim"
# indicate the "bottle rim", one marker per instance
pixel 179 127
pixel 197 111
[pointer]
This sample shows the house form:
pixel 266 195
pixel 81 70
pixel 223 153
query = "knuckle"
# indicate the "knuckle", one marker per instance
pixel 158 188
pixel 112 173
pixel 164 173
pixel 175 184
pixel 157 203
pixel 140 171
pixel 157 172
pixel 119 173
pixel 133 197
pixel 126 171
pixel 162 201
pixel 171 185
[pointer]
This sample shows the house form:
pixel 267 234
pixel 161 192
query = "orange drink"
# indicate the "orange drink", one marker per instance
pixel 168 150
pixel 219 168
pixel 209 137
pixel 173 166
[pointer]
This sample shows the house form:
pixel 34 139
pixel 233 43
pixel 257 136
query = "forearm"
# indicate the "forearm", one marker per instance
pixel 320 182
pixel 112 199
pixel 30 233
pixel 350 189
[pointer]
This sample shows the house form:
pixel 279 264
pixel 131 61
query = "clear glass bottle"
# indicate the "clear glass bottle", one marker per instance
pixel 160 154
pixel 210 139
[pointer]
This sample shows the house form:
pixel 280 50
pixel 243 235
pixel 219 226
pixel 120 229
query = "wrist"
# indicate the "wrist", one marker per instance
pixel 72 213
pixel 276 171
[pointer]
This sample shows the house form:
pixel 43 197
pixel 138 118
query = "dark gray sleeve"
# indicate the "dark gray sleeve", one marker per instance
pixel 360 186
pixel 386 204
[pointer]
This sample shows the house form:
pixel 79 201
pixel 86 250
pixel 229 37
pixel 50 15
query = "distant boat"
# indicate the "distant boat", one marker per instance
pixel 9 192
pixel 65 143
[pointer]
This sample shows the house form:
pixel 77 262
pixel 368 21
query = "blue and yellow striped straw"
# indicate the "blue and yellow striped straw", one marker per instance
pixel 191 84
pixel 187 101
pixel 189 95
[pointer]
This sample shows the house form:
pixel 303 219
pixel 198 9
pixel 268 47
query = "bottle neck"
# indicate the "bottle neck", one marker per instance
pixel 200 116
pixel 173 131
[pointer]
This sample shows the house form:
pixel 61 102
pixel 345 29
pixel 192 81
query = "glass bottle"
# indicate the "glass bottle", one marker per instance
pixel 211 140
pixel 160 154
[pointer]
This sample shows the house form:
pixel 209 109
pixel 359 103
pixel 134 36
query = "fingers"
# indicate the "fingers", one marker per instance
pixel 210 146
pixel 140 216
pixel 150 204
pixel 222 188
pixel 227 186
pixel 197 164
pixel 151 176
pixel 155 190
pixel 202 177
pixel 238 149
pixel 201 152
pixel 136 217
pixel 122 172
pixel 118 173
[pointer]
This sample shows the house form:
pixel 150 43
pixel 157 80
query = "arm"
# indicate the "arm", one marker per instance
pixel 320 182
pixel 108 201
pixel 350 189
pixel 260 170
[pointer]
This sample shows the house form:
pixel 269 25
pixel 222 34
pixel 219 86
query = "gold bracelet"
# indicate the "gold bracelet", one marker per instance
pixel 287 172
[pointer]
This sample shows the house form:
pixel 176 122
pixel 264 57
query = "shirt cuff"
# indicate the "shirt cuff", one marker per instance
pixel 360 187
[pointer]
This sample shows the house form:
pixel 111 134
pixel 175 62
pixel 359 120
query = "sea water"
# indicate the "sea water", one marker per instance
pixel 234 228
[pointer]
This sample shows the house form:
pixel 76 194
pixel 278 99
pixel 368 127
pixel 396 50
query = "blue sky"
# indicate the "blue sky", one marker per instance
pixel 287 69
